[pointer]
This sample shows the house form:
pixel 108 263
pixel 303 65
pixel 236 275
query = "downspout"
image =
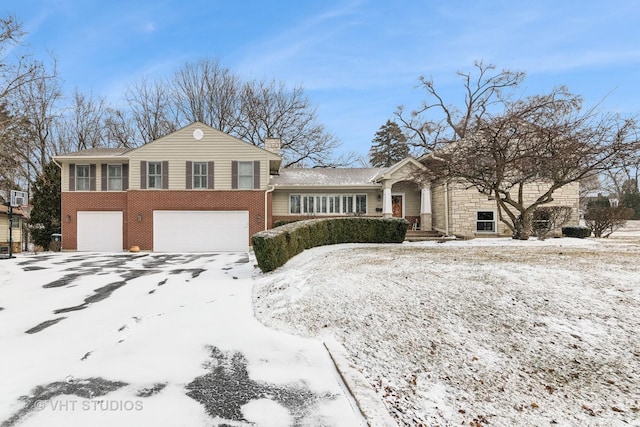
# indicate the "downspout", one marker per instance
pixel 266 205
pixel 446 208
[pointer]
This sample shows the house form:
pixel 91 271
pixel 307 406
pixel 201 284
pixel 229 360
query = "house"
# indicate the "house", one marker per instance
pixel 13 232
pixel 199 189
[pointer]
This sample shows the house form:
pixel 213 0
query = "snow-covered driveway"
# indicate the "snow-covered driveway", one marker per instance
pixel 152 339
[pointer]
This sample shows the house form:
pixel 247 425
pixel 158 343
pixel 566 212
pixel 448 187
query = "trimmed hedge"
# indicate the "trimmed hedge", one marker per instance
pixel 579 232
pixel 273 248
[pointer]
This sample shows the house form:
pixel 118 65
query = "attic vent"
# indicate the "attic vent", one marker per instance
pixel 198 134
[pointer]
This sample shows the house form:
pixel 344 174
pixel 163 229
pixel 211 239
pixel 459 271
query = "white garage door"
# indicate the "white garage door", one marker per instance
pixel 100 231
pixel 200 231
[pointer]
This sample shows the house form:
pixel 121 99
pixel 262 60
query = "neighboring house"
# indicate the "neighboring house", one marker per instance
pixel 18 218
pixel 199 189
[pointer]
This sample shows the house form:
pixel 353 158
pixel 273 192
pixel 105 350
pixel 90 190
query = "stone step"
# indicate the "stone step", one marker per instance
pixel 422 236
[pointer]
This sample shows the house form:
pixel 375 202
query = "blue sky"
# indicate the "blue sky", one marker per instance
pixel 357 59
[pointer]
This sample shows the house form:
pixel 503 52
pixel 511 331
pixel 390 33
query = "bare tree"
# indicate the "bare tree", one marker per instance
pixel 500 144
pixel 84 125
pixel 36 107
pixel 21 78
pixel 151 110
pixel 436 122
pixel 120 128
pixel 206 92
pixel 269 109
pixel 546 140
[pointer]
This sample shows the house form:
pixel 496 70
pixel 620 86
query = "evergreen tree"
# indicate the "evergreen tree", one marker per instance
pixel 45 216
pixel 630 197
pixel 389 146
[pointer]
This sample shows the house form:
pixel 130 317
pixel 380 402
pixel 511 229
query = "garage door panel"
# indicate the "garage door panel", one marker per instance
pixel 99 231
pixel 200 231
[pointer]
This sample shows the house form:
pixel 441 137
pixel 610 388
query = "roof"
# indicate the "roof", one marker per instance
pixel 4 209
pixel 96 152
pixel 327 176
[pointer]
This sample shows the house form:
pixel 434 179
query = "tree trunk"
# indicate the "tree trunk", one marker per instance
pixel 522 226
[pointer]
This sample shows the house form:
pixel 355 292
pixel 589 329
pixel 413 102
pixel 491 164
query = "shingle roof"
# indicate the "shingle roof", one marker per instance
pixel 327 176
pixel 96 152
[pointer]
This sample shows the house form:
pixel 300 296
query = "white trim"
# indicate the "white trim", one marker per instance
pixel 109 177
pixel 494 221
pixel 327 196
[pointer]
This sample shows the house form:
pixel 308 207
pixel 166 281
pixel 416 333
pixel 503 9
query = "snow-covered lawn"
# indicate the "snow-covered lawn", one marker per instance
pixel 480 332
pixel 153 340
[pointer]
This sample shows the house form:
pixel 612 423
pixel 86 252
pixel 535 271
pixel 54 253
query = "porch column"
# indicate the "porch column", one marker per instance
pixel 387 209
pixel 425 208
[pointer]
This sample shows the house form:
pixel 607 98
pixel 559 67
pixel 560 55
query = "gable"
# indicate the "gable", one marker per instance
pixel 198 140
pixel 408 169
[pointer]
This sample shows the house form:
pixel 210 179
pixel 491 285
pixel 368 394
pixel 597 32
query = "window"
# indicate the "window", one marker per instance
pixel 154 175
pixel 347 204
pixel 485 222
pixel 245 175
pixel 307 204
pixel 294 203
pixel 327 204
pixel 83 179
pixel 15 222
pixel 200 175
pixel 334 204
pixel 114 176
pixel 361 203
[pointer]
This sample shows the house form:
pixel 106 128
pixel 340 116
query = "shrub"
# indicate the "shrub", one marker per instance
pixel 605 220
pixel 579 232
pixel 273 248
pixel 545 219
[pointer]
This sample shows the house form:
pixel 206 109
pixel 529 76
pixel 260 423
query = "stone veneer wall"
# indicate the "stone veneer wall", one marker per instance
pixel 465 202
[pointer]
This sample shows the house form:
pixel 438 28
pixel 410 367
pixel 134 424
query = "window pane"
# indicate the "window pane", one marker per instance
pixel 82 177
pixel 485 216
pixel 245 168
pixel 361 203
pixel 307 204
pixel 347 204
pixel 321 204
pixel 294 204
pixel 114 173
pixel 199 175
pixel 155 174
pixel 485 226
pixel 245 175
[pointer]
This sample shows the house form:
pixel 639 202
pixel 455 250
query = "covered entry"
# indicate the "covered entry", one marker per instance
pixel 200 231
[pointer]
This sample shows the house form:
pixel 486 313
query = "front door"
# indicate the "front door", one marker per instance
pixel 396 205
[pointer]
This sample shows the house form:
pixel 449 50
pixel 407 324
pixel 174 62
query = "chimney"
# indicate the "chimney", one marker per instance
pixel 273 145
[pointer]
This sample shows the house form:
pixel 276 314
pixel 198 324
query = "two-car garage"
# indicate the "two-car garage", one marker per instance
pixel 173 231
pixel 200 231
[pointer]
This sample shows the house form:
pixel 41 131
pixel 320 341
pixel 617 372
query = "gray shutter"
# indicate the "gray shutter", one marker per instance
pixel 165 174
pixel 143 175
pixel 103 178
pixel 92 177
pixel 210 175
pixel 125 177
pixel 72 177
pixel 256 174
pixel 189 178
pixel 234 174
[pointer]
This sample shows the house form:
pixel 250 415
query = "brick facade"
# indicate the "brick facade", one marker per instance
pixel 137 208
